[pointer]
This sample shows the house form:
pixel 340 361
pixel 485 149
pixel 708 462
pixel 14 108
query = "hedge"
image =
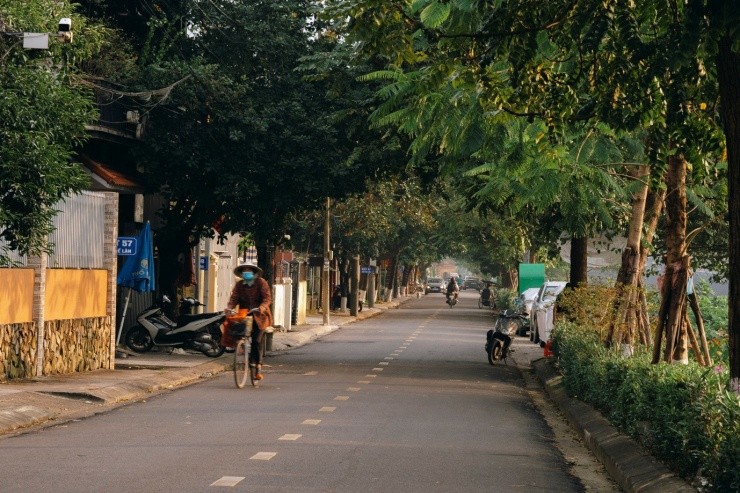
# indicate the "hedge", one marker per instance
pixel 683 414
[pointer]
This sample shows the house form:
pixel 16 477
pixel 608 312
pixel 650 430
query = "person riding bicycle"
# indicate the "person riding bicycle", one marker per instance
pixel 253 293
pixel 452 288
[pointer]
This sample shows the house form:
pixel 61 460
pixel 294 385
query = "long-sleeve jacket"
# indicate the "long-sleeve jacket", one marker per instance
pixel 255 296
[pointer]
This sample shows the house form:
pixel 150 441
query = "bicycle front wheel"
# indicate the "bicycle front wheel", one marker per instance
pixel 241 365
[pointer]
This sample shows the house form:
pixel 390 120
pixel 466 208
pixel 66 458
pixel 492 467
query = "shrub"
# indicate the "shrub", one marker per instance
pixel 505 298
pixel 683 414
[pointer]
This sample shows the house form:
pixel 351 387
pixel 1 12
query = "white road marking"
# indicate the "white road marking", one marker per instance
pixel 370 376
pixel 383 363
pixel 327 409
pixel 364 381
pixel 228 481
pixel 312 422
pixel 290 436
pixel 341 398
pixel 389 358
pixel 263 455
pixel 353 389
pixel 309 373
pixel 377 369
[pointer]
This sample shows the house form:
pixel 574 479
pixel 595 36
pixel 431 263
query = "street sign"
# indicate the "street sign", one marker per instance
pixel 367 269
pixel 204 263
pixel 126 245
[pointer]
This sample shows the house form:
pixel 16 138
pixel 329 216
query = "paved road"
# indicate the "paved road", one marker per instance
pixel 405 401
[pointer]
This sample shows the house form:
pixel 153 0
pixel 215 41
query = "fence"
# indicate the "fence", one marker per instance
pixel 57 309
pixel 77 239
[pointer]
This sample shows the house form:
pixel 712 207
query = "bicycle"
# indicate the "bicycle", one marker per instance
pixel 238 326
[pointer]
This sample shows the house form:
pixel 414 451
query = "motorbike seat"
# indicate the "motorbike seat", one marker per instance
pixel 187 318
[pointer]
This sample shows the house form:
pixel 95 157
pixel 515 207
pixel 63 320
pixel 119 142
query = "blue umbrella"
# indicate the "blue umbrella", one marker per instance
pixel 138 271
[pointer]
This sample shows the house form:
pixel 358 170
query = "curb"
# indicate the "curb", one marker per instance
pixel 627 462
pixel 82 404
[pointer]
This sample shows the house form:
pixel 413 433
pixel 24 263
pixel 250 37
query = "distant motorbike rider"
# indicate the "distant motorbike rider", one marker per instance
pixel 452 288
pixel 253 293
pixel 485 294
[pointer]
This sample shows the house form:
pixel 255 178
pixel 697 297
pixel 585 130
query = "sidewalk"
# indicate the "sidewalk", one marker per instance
pixel 46 401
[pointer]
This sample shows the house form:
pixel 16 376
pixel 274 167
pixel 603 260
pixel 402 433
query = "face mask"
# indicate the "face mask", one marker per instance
pixel 248 276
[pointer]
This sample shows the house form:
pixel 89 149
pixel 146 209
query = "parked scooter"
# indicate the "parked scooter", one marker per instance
pixel 498 339
pixel 201 332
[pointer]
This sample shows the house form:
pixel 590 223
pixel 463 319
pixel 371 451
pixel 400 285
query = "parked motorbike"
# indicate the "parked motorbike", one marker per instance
pixel 498 339
pixel 201 332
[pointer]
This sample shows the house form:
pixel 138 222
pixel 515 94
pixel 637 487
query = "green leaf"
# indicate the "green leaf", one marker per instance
pixel 435 14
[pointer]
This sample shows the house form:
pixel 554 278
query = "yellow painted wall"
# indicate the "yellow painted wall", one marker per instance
pixel 75 293
pixel 16 296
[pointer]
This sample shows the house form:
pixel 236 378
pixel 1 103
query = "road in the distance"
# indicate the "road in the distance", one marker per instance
pixel 402 402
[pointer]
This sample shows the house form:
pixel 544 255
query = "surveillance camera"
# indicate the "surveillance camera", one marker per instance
pixel 65 30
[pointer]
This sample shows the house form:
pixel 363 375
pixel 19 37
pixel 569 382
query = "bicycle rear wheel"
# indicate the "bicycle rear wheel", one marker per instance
pixel 241 364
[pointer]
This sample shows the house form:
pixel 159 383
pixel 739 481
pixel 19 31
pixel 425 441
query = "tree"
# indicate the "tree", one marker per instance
pixel 633 66
pixel 43 113
pixel 242 139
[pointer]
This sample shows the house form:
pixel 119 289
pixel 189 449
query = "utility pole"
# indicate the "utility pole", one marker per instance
pixel 371 285
pixel 325 298
pixel 355 285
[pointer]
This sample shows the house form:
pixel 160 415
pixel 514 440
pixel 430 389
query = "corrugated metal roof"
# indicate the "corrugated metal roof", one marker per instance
pixel 109 178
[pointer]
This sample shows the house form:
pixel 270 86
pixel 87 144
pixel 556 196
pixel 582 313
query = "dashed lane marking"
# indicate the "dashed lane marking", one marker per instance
pixel 290 436
pixel 263 455
pixel 370 376
pixel 327 409
pixel 353 389
pixel 312 422
pixel 377 369
pixel 363 381
pixel 229 481
pixel 310 373
pixel 341 398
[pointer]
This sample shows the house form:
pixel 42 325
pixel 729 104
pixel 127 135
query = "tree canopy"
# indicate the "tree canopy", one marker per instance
pixel 43 113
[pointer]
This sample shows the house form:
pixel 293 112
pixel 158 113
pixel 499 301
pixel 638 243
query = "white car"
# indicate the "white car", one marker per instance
pixel 524 302
pixel 543 311
pixel 435 285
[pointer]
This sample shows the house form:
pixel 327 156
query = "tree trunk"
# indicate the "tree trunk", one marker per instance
pixel 728 75
pixel 406 276
pixel 653 209
pixel 627 316
pixel 672 322
pixel 579 261
pixel 391 279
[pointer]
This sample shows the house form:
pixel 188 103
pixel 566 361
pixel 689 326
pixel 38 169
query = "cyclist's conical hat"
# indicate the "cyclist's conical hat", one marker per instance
pixel 247 265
